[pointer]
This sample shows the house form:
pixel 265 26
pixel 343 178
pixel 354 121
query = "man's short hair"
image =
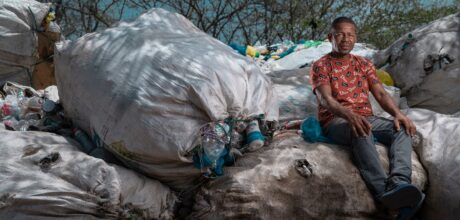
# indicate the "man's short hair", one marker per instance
pixel 339 20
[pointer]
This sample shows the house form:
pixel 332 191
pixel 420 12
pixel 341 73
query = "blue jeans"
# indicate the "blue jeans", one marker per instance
pixel 365 154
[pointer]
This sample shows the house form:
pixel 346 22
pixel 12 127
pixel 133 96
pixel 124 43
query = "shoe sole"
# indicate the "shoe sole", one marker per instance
pixel 402 196
pixel 412 211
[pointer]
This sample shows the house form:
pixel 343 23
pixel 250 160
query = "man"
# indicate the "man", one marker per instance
pixel 341 82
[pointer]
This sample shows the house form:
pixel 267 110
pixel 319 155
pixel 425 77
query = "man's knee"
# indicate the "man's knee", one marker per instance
pixel 366 140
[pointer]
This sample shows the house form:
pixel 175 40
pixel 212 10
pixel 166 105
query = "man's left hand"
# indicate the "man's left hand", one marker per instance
pixel 406 122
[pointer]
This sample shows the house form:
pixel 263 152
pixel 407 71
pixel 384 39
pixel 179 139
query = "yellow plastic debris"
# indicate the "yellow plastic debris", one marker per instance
pixel 385 77
pixel 50 17
pixel 252 51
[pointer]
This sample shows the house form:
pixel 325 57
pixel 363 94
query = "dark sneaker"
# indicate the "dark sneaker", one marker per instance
pixel 406 213
pixel 403 195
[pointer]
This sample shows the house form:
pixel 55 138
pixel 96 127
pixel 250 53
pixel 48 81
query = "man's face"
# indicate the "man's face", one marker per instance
pixel 343 38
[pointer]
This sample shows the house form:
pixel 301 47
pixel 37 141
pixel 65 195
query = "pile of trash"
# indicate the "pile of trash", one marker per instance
pixel 24 108
pixel 27 36
pixel 288 55
pixel 165 99
pixel 425 73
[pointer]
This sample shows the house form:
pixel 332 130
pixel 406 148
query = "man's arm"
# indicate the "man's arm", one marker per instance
pixel 387 103
pixel 360 126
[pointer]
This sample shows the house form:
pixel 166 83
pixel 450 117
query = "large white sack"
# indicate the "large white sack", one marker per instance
pixel 406 55
pixel 294 94
pixel 439 91
pixel 439 153
pixel 305 57
pixel 72 185
pixel 148 86
pixel 19 21
pixel 267 185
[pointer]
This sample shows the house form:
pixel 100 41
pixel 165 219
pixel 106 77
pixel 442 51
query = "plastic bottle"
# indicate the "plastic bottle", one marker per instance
pixel 1 107
pixel 34 104
pixel 222 131
pixel 237 139
pixel 49 107
pixel 252 51
pixel 254 137
pixel 10 124
pixel 85 142
pixel 10 106
pixel 22 125
pixel 213 148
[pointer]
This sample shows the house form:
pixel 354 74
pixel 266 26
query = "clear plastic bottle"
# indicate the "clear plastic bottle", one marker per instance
pixel 21 125
pixel 34 104
pixel 212 147
pixel 237 139
pixel 10 106
pixel 1 107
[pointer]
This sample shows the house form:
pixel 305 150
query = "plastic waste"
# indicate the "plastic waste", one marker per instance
pixel 21 125
pixel 385 77
pixel 254 137
pixel 245 50
pixel 213 140
pixel 252 51
pixel 240 126
pixel 32 115
pixel 240 48
pixel 312 43
pixel 212 147
pixel 311 131
pixel 237 140
pixel 49 107
pixel 34 104
pixel 85 142
pixel 11 107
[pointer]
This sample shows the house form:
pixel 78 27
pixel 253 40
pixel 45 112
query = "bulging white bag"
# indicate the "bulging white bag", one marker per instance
pixel 19 43
pixel 145 88
pixel 407 59
pixel 45 176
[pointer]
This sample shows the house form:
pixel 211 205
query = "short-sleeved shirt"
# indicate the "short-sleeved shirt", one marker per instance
pixel 349 80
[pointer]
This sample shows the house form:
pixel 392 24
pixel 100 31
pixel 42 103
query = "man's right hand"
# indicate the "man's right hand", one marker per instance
pixel 359 125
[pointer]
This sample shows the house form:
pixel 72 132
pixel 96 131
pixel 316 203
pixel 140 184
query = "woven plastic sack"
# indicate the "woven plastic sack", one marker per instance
pixel 145 89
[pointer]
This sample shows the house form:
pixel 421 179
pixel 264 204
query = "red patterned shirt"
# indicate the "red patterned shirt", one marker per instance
pixel 349 80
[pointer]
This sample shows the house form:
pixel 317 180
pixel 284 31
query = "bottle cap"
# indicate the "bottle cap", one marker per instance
pixel 48 106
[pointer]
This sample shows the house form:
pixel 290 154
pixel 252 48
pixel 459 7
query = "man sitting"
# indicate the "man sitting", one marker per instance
pixel 341 82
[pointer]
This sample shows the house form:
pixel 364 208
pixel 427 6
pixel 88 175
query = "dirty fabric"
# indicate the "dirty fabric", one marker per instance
pixel 45 176
pixel 293 179
pixel 424 64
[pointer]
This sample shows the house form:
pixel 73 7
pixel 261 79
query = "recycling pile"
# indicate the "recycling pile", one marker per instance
pixel 161 97
pixel 424 67
pixel 288 55
pixel 27 36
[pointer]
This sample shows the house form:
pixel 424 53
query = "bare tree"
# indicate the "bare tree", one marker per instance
pixel 77 17
pixel 380 22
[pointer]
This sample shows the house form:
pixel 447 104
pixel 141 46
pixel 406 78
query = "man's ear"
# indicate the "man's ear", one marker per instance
pixel 329 37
